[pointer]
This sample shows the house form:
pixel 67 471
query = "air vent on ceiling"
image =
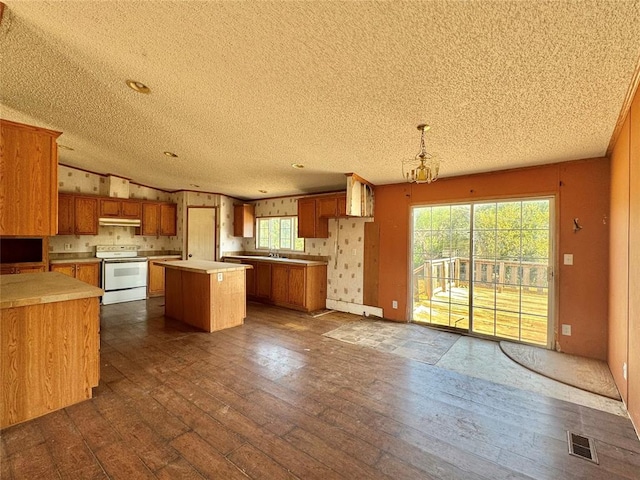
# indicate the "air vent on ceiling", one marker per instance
pixel 581 446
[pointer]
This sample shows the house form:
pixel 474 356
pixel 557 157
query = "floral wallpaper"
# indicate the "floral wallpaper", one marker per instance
pixel 71 180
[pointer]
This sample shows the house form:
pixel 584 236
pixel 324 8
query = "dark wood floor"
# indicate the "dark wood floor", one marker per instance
pixel 274 399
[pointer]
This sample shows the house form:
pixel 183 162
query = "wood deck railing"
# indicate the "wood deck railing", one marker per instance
pixel 438 275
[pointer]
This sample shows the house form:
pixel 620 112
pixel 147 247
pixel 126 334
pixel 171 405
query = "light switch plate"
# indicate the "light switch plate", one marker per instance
pixel 220 276
pixel 566 329
pixel 568 258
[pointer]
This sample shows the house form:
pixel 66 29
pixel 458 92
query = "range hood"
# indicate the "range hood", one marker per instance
pixel 119 222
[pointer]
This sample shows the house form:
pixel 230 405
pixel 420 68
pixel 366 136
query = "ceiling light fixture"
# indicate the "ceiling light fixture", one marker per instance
pixel 194 185
pixel 424 168
pixel 138 86
pixel 171 154
pixel 262 191
pixel 299 166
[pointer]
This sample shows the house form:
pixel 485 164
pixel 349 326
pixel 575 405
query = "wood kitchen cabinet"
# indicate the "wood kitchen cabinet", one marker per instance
pixel 119 208
pixel 301 287
pixel 332 206
pixel 243 220
pixel 263 280
pixel 14 268
pixel 78 214
pixel 23 255
pixel 310 224
pixel 87 272
pixel 29 186
pixel 155 283
pixel 159 219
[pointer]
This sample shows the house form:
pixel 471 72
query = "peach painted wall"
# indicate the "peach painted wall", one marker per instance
pixel 581 289
pixel 624 283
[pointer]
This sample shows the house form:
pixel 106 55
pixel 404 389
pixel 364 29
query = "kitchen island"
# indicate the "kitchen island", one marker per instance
pixel 206 295
pixel 49 344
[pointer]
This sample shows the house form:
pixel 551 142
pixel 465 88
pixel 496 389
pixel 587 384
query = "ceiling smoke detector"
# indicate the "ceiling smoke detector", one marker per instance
pixel 171 154
pixel 299 166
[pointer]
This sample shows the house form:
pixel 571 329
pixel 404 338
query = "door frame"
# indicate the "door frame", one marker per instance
pixel 552 314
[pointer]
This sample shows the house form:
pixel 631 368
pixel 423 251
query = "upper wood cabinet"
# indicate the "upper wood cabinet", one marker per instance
pixel 310 224
pixel 78 215
pixel 29 185
pixel 243 220
pixel 332 206
pixel 159 219
pixel 118 208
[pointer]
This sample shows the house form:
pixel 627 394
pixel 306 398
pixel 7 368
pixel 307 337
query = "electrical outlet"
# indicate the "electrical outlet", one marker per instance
pixel 566 330
pixel 354 252
pixel 67 246
pixel 220 276
pixel 568 258
pixel 624 370
pixel 394 304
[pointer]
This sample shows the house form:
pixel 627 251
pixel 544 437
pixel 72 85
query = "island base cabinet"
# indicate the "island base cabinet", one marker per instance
pixel 221 298
pixel 49 357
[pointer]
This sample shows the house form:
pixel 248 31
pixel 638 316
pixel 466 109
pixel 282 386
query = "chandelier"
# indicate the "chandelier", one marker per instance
pixel 424 168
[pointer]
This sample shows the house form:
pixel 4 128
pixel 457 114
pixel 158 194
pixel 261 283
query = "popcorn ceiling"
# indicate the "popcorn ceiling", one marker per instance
pixel 241 90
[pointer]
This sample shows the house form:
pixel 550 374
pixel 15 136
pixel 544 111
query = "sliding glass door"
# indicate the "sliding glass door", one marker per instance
pixel 484 268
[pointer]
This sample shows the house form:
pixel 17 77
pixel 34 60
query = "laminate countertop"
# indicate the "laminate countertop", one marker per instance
pixel 26 289
pixel 75 260
pixel 289 261
pixel 203 266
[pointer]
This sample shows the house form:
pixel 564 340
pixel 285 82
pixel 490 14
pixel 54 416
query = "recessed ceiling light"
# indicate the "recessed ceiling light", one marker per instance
pixel 64 147
pixel 138 86
pixel 297 165
pixel 171 154
pixel 262 191
pixel 194 185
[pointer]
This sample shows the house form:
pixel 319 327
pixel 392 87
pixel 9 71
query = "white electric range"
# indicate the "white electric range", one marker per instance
pixel 124 273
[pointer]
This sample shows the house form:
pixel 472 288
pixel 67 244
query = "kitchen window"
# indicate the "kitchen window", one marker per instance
pixel 278 233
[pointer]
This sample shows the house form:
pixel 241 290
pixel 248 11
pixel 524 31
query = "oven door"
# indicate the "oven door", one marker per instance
pixel 120 275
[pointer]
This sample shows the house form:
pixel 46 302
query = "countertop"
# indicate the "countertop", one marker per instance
pixel 155 257
pixel 290 261
pixel 203 266
pixel 26 289
pixel 75 260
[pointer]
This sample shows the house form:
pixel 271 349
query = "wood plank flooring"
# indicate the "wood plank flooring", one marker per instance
pixel 274 399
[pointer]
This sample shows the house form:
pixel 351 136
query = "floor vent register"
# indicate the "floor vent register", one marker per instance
pixel 581 446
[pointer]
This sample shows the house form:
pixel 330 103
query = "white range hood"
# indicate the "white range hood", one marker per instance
pixel 119 222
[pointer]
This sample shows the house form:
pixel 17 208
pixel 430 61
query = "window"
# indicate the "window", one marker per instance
pixel 278 233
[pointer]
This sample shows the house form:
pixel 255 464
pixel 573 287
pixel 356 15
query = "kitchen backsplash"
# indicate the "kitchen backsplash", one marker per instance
pixel 344 248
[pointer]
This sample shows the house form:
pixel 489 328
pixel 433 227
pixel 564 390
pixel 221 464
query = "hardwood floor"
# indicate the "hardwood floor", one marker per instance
pixel 274 399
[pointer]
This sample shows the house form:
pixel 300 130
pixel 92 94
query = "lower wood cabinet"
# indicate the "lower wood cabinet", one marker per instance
pixel 86 272
pixel 296 286
pixel 8 269
pixel 155 283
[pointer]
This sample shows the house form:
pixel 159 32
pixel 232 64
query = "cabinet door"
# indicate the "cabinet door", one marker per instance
pixel 263 280
pixel 86 216
pixel 297 287
pixel 342 205
pixel 168 219
pixel 30 269
pixel 156 279
pixel 280 283
pixel 306 218
pixel 250 276
pixel 29 186
pixel 109 207
pixel 150 218
pixel 65 268
pixel 89 273
pixel 65 214
pixel 130 209
pixel 327 206
pixel 243 219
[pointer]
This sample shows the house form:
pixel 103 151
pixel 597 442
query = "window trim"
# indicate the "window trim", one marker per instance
pixel 293 236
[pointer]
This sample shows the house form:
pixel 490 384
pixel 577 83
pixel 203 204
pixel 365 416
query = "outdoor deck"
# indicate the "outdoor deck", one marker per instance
pixel 494 313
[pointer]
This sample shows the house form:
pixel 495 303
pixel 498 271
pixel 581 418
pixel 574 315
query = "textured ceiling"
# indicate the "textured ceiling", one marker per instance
pixel 241 90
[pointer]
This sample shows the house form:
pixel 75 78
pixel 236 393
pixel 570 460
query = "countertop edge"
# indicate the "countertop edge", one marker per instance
pixel 279 260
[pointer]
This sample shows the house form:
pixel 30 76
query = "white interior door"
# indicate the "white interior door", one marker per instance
pixel 201 233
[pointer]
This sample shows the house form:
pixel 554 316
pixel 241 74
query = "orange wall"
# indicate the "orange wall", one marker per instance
pixel 581 189
pixel 624 283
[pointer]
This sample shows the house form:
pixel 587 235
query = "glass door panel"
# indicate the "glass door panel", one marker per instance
pixel 484 268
